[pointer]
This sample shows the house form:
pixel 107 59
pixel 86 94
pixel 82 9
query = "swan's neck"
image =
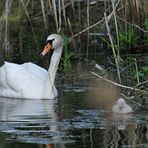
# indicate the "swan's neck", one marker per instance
pixel 55 59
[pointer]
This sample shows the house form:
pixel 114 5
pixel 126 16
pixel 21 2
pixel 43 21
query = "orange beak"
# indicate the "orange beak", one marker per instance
pixel 47 48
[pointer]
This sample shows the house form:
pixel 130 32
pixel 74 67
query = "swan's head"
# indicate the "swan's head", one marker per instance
pixel 54 41
pixel 121 103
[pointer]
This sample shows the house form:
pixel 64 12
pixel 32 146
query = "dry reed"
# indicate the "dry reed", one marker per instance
pixel 70 28
pixel 6 13
pixel 137 73
pixel 44 16
pixel 60 15
pixel 88 24
pixel 113 47
pixel 117 31
pixel 55 15
pixel 64 13
pixel 31 25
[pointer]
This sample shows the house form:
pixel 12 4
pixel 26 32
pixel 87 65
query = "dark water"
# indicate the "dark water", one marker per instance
pixel 69 121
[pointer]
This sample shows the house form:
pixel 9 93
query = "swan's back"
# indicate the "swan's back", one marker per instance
pixel 34 69
pixel 25 80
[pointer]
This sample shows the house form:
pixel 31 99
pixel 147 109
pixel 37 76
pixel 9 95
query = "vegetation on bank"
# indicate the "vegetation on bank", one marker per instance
pixel 117 28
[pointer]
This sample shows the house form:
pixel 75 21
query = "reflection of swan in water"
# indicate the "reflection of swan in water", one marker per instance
pixel 27 110
pixel 33 114
pixel 121 107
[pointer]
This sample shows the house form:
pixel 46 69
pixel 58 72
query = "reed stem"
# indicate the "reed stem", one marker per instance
pixel 137 74
pixel 117 31
pixel 31 25
pixel 55 15
pixel 113 48
pixel 88 24
pixel 44 16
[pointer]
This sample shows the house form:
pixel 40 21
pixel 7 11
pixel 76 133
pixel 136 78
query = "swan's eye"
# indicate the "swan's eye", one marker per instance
pixel 50 41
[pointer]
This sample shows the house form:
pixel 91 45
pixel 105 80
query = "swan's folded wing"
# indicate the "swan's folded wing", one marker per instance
pixel 36 70
pixel 26 81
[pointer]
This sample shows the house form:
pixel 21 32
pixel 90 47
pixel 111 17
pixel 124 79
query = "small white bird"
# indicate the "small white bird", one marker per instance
pixel 121 107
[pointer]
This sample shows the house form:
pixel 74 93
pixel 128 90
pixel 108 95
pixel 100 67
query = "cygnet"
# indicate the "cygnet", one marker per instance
pixel 121 107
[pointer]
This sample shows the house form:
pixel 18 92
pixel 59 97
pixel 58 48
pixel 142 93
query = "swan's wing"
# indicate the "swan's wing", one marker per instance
pixel 27 80
pixel 36 70
pixel 5 89
pixel 42 74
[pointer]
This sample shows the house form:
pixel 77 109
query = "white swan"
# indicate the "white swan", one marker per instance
pixel 121 107
pixel 29 80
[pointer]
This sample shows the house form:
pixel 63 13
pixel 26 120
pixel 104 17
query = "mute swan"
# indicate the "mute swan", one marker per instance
pixel 29 80
pixel 121 107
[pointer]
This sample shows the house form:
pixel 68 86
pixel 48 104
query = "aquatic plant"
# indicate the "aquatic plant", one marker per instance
pixel 146 28
pixel 128 39
pixel 66 55
pixel 143 72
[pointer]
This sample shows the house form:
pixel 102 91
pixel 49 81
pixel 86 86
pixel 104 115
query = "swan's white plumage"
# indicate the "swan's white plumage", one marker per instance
pixel 29 80
pixel 32 77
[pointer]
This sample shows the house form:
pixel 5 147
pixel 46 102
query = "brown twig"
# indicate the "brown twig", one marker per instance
pixel 133 101
pixel 145 31
pixel 117 84
pixel 137 86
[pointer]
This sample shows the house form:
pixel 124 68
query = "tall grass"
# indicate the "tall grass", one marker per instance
pixel 77 19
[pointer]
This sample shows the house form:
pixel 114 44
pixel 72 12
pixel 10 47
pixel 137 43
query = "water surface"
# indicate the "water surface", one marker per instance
pixel 69 121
